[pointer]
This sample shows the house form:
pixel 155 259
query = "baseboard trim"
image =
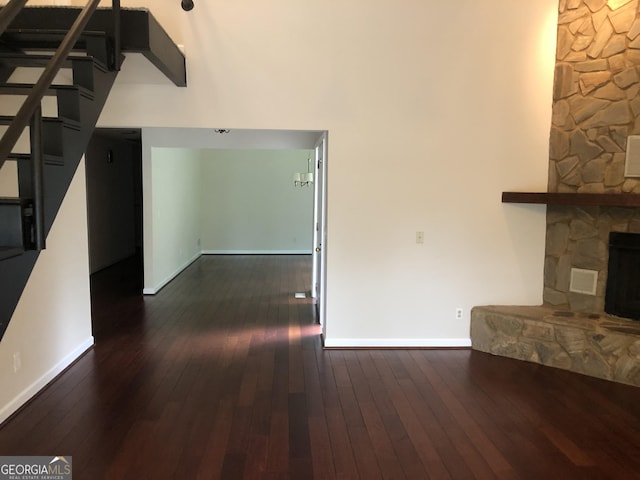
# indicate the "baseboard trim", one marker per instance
pixel 256 252
pixel 28 393
pixel 178 271
pixel 397 342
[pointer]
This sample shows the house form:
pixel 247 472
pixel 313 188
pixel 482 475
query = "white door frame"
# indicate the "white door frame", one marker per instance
pixel 319 276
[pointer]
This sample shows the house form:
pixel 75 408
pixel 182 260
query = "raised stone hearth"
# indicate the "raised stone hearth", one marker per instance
pixel 598 345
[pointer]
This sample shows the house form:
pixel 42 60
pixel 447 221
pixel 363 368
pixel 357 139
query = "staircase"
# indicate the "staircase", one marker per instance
pixel 48 151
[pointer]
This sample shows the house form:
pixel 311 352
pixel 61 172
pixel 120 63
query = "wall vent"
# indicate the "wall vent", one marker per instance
pixel 632 160
pixel 583 281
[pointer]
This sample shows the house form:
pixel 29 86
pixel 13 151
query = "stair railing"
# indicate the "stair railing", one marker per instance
pixel 9 12
pixel 117 40
pixel 37 179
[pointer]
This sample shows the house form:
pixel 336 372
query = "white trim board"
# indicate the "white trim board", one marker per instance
pixel 178 271
pixel 256 252
pixel 28 393
pixel 397 342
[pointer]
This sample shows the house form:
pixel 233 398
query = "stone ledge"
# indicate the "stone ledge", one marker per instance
pixel 601 346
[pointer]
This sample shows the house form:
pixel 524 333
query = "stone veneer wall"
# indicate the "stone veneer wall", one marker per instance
pixel 596 105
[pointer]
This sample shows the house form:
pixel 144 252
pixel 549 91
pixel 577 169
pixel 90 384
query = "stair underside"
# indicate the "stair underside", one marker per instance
pixel 10 252
pixel 39 28
pixel 68 138
pixel 141 33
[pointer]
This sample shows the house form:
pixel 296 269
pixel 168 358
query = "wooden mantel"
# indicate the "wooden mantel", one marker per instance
pixel 574 199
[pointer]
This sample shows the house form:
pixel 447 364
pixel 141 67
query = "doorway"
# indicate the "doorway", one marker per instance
pixel 318 281
pixel 114 218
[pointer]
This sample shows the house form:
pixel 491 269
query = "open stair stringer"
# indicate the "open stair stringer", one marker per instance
pixel 61 140
pixel 15 271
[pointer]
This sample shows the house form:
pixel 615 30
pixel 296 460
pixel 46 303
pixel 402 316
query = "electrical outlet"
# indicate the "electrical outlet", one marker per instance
pixel 458 314
pixel 17 362
pixel 419 237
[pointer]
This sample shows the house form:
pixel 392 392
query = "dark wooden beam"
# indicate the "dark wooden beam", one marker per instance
pixel 574 199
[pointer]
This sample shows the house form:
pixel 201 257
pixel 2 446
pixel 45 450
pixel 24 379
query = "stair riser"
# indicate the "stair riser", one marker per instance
pixel 10 104
pixel 52 139
pixel 16 222
pixel 63 102
pixel 82 67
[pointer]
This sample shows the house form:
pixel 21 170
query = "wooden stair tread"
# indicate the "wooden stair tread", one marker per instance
pixel 25 89
pixel 10 252
pixel 48 32
pixel 12 201
pixel 7 119
pixel 12 59
pixel 49 159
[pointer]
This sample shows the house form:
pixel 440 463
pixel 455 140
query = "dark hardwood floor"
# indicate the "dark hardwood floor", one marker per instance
pixel 222 375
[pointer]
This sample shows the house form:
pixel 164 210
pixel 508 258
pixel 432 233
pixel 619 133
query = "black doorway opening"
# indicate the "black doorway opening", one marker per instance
pixel 622 297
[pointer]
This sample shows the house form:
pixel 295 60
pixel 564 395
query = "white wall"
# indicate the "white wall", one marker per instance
pixel 173 211
pixel 51 325
pixel 432 108
pixel 250 202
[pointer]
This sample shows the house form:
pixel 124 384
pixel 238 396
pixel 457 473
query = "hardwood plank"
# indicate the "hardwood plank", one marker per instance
pixel 500 465
pixel 387 459
pixel 233 466
pixel 404 448
pixel 342 449
pixel 278 456
pixel 424 446
pixel 495 414
pixel 321 455
pixel 215 449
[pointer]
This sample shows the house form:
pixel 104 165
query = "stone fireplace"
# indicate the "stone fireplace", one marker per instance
pixel 596 107
pixel 579 238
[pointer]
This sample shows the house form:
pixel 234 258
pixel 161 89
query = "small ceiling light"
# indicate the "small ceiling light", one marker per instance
pixel 187 5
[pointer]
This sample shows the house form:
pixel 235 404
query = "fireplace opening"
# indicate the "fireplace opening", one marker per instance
pixel 622 297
